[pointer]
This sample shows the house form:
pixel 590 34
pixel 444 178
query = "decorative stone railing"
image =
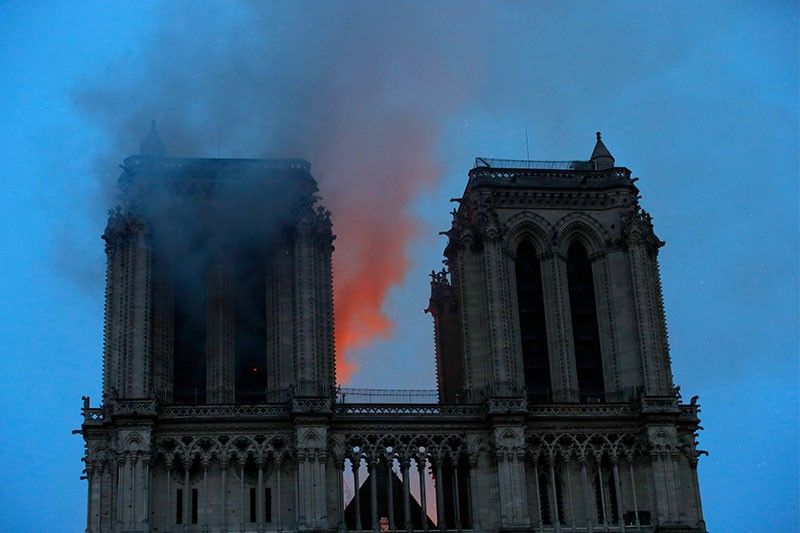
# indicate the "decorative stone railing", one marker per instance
pixel 416 410
pixel 184 412
pixel 573 410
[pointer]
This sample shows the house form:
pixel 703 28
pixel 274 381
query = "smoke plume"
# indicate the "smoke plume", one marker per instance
pixel 360 90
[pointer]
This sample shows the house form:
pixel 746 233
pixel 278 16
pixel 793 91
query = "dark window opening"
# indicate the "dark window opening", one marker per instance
pixel 253 505
pixel 608 495
pixel 189 339
pixel 533 330
pixel 630 518
pixel 179 507
pixel 586 336
pixel 267 504
pixel 194 506
pixel 544 499
pixel 251 327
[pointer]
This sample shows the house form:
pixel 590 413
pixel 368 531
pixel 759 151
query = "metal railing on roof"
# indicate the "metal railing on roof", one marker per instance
pixel 486 162
pixel 352 395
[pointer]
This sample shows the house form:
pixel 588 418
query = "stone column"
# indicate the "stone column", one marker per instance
pixel 279 514
pixel 566 468
pixel 633 492
pixel 220 319
pixel 187 493
pixel 456 497
pixel 405 464
pixel 356 465
pixel 260 495
pixel 170 515
pixel 223 466
pixel 508 380
pixel 313 302
pixel 91 506
pixel 563 373
pixel 422 496
pixel 600 482
pixel 390 496
pixel 440 514
pixel 475 511
pixel 618 488
pixel 538 488
pixel 648 301
pixel 554 491
pixel 587 508
pixel 205 494
pixel 373 492
pixel 127 352
pixel 604 304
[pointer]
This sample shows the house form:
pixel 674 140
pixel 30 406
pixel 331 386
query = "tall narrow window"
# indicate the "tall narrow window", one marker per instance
pixel 189 340
pixel 253 505
pixel 588 359
pixel 194 506
pixel 533 330
pixel 251 327
pixel 179 506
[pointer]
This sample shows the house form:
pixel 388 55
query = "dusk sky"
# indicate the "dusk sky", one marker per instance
pixel 391 103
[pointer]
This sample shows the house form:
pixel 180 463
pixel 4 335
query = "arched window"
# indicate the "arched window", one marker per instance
pixel 251 326
pixel 533 331
pixel 589 361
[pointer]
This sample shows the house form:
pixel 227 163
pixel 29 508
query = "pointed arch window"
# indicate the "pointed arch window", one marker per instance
pixel 533 330
pixel 586 336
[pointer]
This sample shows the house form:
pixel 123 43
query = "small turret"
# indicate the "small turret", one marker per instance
pixel 152 145
pixel 601 157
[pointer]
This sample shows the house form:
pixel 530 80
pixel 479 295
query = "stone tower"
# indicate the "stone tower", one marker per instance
pixel 555 408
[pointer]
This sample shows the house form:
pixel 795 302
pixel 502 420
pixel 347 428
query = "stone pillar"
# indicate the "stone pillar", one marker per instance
pixel 618 489
pixel 223 466
pixel 440 514
pixel 508 379
pixel 604 304
pixel 475 514
pixel 220 320
pixel 554 492
pixel 356 465
pixel 600 482
pixel 510 445
pixel 405 464
pixel 313 301
pixel 456 497
pixel 260 495
pixel 373 492
pixel 642 248
pixel 187 493
pixel 587 508
pixel 91 505
pixel 205 494
pixel 563 373
pixel 633 492
pixel 128 310
pixel 422 496
pixel 390 495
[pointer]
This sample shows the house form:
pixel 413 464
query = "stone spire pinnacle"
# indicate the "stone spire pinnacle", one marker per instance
pixel 152 145
pixel 601 157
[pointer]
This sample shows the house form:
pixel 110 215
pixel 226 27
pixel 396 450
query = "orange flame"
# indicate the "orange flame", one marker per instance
pixel 369 199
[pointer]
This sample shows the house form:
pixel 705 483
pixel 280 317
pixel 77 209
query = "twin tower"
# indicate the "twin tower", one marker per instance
pixel 555 408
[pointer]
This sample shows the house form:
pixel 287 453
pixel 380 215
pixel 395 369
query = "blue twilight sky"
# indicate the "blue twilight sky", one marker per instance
pixel 699 99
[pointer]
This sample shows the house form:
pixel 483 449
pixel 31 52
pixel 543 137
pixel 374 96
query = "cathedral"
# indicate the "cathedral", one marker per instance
pixel 555 408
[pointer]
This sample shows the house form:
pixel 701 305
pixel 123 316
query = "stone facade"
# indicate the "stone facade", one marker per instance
pixel 555 411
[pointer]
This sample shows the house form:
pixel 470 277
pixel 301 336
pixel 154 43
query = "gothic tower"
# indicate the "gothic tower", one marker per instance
pixel 555 409
pixel 551 300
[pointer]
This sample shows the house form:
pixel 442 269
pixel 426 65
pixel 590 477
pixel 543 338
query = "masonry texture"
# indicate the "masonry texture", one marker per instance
pixel 555 408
